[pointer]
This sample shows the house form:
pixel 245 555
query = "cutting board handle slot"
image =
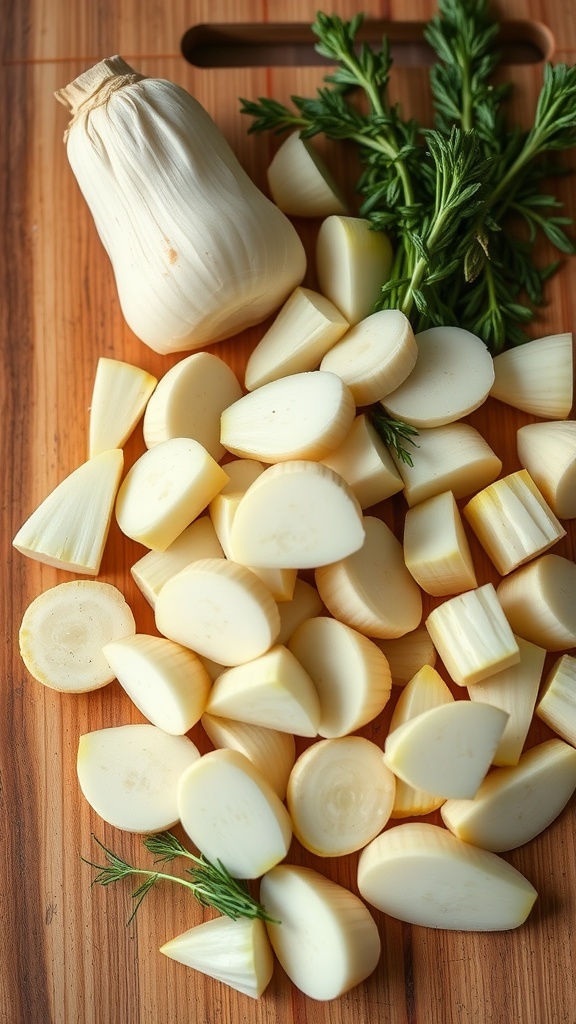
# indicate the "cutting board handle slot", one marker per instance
pixel 291 44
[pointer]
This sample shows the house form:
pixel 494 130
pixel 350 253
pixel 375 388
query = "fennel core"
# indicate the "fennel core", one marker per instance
pixel 461 200
pixel 210 884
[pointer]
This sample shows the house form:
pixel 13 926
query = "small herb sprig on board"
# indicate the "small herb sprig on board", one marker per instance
pixel 461 200
pixel 394 433
pixel 210 884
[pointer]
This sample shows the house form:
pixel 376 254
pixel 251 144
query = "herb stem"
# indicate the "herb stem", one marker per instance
pixel 387 146
pixel 463 211
pixel 211 884
pixel 422 263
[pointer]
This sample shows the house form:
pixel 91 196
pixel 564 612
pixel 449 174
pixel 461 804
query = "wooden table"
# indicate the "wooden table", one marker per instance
pixel 66 955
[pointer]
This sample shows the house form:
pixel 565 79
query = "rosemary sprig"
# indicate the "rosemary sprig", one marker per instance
pixel 394 433
pixel 464 37
pixel 210 884
pixel 462 202
pixel 383 139
pixel 502 285
pixel 436 250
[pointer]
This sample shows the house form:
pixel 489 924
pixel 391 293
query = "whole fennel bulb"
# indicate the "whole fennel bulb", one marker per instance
pixel 198 252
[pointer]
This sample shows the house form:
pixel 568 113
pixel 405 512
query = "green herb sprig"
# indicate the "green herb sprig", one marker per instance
pixel 395 433
pixel 502 286
pixel 210 884
pixel 462 200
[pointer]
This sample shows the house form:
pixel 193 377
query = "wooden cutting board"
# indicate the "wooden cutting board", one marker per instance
pixel 67 956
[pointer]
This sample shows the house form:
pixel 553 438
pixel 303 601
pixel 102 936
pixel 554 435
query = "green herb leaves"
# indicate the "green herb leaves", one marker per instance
pixel 209 883
pixel 461 200
pixel 465 39
pixel 394 433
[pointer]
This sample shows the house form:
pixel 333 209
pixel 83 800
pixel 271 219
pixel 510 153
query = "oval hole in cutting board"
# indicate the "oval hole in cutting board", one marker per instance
pixel 257 44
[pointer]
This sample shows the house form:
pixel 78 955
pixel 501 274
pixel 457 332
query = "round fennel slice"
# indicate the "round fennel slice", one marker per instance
pixel 340 795
pixel 64 630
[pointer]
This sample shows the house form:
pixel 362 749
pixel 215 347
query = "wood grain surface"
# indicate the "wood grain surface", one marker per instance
pixel 66 955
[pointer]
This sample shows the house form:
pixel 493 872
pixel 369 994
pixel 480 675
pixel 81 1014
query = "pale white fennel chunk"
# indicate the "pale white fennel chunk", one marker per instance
pixel 516 803
pixel 539 600
pixel 371 589
pixel 273 752
pixel 69 529
pixel 232 814
pixel 422 874
pixel 129 775
pixel 352 262
pixel 220 610
pixel 235 952
pixel 119 397
pixel 306 326
pixel 189 401
pixel 302 416
pixel 557 704
pixel 515 690
pixel 453 457
pixel 548 451
pixel 167 682
pixel 513 521
pixel 448 749
pixel 349 671
pixel 296 515
pixel 374 356
pixel 452 376
pixel 537 377
pixel 165 490
pixel 272 690
pixel 436 548
pixel 300 181
pixel 473 635
pixel 327 941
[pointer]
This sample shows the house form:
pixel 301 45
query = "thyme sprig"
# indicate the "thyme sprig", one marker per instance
pixel 211 884
pixel 462 200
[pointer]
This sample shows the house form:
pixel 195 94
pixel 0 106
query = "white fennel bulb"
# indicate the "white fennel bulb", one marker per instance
pixel 198 252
